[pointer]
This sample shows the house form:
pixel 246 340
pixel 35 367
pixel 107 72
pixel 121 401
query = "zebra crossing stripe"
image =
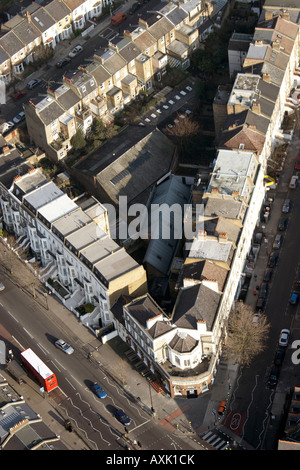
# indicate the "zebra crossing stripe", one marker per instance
pixel 207 435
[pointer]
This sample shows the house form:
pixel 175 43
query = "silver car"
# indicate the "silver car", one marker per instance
pixel 1 286
pixel 66 348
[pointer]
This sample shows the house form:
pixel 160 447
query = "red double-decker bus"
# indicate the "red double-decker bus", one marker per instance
pixel 39 370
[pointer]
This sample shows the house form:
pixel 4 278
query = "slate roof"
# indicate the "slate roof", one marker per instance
pixel 182 343
pixel 144 308
pixel 73 4
pixel 66 97
pixel 125 48
pixel 98 71
pixel 84 82
pixel 129 163
pixel 160 27
pixel 248 118
pixel 196 303
pixel 176 16
pixel 159 328
pixel 3 55
pixel 58 9
pixel 48 109
pixel 117 308
pixel 143 40
pixel 40 18
pixel 253 140
pixel 218 225
pixel 11 43
pixel 205 270
pixel 26 31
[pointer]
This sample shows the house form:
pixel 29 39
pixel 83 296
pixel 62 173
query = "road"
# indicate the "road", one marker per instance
pixel 32 325
pixel 252 398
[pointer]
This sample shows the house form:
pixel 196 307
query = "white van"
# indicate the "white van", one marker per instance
pixel 293 182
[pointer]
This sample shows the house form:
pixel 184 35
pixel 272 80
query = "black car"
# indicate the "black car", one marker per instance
pixel 134 8
pixel 273 378
pixel 63 63
pixel 279 356
pixel 268 275
pixel 282 223
pixel 122 417
pixel 260 304
pixel 263 290
pixel 273 260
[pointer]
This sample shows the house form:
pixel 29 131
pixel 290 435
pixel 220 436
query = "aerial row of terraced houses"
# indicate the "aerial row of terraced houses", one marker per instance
pixel 114 76
pixel 72 239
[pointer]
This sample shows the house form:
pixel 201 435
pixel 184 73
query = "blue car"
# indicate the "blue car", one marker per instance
pixel 294 297
pixel 99 391
pixel 122 417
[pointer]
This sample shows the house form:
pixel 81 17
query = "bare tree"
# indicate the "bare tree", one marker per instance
pixel 246 338
pixel 182 130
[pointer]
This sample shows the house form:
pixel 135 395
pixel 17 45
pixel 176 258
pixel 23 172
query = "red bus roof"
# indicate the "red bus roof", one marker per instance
pixel 36 363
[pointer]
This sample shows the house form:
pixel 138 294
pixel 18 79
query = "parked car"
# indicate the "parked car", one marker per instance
pixel 284 337
pixel 294 297
pixel 222 408
pixel 273 260
pixel 264 288
pixel 282 223
pixel 122 417
pixel 98 391
pixel 33 83
pixel 279 356
pixel 63 346
pixel 1 286
pixel 273 377
pixel 260 304
pixel 18 95
pixel 118 18
pixel 77 50
pixel 62 63
pixel 6 126
pixel 134 8
pixel 268 275
pixel 286 206
pixel 298 277
pixel 277 241
pixel 297 164
pixel 19 117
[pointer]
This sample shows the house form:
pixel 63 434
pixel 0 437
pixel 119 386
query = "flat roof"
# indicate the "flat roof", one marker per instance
pixel 56 208
pixel 116 264
pixel 43 195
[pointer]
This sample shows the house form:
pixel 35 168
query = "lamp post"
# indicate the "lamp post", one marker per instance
pixel 152 409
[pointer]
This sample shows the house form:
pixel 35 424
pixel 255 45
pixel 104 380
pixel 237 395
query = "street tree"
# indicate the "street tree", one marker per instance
pixel 246 338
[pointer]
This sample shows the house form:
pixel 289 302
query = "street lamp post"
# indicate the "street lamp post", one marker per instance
pixel 152 409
